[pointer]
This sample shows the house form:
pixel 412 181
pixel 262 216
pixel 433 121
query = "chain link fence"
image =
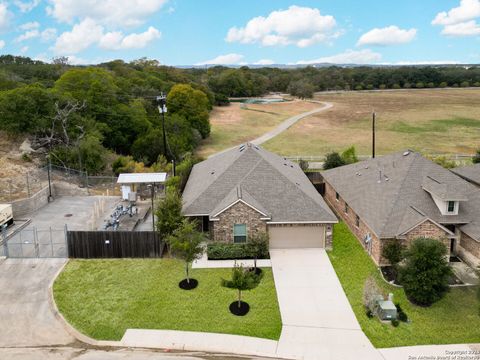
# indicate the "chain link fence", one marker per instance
pixel 66 179
pixel 36 243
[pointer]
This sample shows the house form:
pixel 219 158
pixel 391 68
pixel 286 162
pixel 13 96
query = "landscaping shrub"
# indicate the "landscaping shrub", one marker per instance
pixel 333 160
pixel 401 314
pixel 426 272
pixel 395 323
pixel 393 251
pixel 232 252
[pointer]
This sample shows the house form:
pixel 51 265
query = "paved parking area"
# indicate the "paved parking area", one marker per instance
pixel 318 322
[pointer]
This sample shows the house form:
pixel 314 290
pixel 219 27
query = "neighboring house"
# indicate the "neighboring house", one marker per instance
pixel 404 196
pixel 469 173
pixel 247 190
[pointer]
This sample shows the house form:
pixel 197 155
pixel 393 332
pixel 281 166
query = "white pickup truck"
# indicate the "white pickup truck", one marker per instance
pixel 6 214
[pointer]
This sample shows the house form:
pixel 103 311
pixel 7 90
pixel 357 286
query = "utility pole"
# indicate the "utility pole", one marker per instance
pixel 373 135
pixel 162 109
pixel 49 168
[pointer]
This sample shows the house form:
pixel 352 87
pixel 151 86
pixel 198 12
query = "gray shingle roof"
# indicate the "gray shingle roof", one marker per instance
pixel 471 173
pixel 388 193
pixel 268 182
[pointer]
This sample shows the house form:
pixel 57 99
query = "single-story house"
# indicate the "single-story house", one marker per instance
pixel 247 190
pixel 470 173
pixel 404 196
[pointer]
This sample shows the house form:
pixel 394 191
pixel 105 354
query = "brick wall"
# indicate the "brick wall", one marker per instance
pixel 222 230
pixel 469 244
pixel 429 230
pixel 360 231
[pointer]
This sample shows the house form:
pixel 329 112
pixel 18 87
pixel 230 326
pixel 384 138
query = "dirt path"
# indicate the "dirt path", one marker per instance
pixel 285 125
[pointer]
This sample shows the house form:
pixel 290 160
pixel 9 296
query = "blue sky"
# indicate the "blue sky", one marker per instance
pixel 185 32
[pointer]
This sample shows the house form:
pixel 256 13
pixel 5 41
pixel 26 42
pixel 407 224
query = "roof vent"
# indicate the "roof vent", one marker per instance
pixel 406 153
pixel 256 147
pixel 291 166
pixel 213 172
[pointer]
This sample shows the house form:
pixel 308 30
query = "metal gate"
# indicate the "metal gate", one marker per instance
pixel 36 243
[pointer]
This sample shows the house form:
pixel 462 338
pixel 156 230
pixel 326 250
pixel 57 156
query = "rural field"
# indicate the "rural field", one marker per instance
pixel 430 121
pixel 233 125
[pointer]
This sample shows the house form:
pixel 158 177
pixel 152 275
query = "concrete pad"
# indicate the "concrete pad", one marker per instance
pixel 196 341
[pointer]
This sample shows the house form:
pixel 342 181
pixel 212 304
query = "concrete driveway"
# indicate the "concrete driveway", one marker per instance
pixel 318 322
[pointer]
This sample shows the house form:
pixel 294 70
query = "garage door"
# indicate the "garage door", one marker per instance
pixel 300 236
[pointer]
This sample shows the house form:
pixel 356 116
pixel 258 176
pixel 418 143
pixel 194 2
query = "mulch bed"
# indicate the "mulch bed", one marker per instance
pixel 185 285
pixel 241 310
pixel 389 274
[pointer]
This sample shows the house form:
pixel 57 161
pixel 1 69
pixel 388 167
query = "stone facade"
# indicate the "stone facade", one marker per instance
pixel 361 230
pixel 470 244
pixel 222 229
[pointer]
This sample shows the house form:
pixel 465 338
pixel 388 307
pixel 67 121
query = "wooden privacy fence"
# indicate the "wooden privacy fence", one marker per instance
pixel 114 244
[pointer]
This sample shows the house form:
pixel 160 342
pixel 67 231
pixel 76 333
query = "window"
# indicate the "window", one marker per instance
pixel 239 233
pixel 346 208
pixel 357 221
pixel 451 206
pixel 337 196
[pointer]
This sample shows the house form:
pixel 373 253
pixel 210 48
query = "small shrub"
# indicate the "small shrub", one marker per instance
pixel 393 252
pixel 395 323
pixel 401 314
pixel 231 252
pixel 333 160
pixel 369 313
pixel 476 157
pixel 426 271
pixel 26 157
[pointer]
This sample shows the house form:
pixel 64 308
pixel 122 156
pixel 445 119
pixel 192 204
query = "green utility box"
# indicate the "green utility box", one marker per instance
pixel 386 310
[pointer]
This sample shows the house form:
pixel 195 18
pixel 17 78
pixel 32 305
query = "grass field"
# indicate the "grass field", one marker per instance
pixel 103 298
pixel 429 121
pixel 232 125
pixel 454 319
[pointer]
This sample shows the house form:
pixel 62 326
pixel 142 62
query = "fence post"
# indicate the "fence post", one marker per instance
pixel 5 244
pixel 28 186
pixel 35 242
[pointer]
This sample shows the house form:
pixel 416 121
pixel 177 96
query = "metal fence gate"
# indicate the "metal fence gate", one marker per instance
pixel 36 243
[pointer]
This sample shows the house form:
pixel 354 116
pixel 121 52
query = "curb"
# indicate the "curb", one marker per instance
pixel 69 328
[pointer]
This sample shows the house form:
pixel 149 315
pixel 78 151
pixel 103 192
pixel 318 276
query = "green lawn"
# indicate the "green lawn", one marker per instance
pixel 454 319
pixel 103 298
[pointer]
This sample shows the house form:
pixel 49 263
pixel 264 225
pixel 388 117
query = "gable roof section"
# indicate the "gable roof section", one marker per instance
pixel 469 173
pixel 267 182
pixel 387 192
pixel 444 190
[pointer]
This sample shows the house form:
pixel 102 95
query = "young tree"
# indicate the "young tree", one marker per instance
pixel 333 160
pixel 425 274
pixel 257 247
pixel 242 280
pixel 349 156
pixel 186 244
pixel 169 214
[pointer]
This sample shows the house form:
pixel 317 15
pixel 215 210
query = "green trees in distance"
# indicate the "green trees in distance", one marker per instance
pixel 186 243
pixel 334 159
pixel 426 271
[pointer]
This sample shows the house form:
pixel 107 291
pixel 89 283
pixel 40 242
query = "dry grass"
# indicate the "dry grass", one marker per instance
pixel 232 125
pixel 430 121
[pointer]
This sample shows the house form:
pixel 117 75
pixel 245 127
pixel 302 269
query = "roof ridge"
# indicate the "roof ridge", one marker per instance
pixel 415 158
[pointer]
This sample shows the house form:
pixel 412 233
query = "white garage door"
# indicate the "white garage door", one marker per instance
pixel 299 236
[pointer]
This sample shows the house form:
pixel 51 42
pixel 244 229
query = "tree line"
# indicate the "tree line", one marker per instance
pixel 82 114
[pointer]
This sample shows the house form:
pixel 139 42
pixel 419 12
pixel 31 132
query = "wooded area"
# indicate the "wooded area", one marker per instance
pixel 81 114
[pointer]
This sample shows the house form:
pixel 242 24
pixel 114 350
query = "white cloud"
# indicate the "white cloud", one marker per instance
pixel 264 62
pixel 48 34
pixel 2 44
pixel 390 35
pixel 228 59
pixel 26 6
pixel 5 16
pixel 106 12
pixel 301 26
pixel 422 62
pixel 30 34
pixel 116 40
pixel 30 25
pixel 467 10
pixel 365 56
pixel 460 21
pixel 468 28
pixel 24 49
pixel 82 35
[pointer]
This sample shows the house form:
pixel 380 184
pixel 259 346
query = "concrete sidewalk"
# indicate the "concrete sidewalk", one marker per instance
pixel 204 263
